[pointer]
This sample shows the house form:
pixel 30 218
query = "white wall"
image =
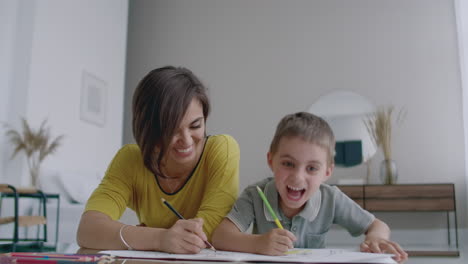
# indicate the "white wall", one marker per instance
pixel 45 47
pixel 63 39
pixel 15 49
pixel 263 59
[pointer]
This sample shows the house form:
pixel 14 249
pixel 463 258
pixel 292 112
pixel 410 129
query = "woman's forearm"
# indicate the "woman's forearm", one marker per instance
pixel 99 231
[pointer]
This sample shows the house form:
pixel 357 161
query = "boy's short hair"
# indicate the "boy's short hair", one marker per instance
pixel 310 128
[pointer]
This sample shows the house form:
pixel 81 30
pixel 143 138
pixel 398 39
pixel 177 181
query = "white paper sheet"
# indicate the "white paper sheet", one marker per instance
pixel 298 255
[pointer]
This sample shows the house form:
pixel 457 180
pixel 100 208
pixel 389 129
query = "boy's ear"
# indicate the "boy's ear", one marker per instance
pixel 270 160
pixel 329 171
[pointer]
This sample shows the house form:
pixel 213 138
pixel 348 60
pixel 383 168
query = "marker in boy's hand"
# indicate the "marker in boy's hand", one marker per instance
pixel 276 242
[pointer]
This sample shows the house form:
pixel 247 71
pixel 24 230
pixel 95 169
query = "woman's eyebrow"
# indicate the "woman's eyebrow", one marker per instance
pixel 196 120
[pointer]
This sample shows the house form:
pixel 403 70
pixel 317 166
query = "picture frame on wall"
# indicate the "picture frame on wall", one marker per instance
pixel 93 102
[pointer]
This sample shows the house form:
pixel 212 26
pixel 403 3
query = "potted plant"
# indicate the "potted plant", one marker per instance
pixel 379 124
pixel 36 145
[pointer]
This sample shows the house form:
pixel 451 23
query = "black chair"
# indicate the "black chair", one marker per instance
pixel 10 192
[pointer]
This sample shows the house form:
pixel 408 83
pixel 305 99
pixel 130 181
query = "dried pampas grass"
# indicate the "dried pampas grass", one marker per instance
pixel 380 125
pixel 36 144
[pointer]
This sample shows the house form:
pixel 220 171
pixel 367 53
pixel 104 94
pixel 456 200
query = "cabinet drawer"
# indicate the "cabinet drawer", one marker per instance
pixel 410 191
pixel 439 204
pixel 439 197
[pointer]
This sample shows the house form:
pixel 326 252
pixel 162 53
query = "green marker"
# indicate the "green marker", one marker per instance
pixel 262 195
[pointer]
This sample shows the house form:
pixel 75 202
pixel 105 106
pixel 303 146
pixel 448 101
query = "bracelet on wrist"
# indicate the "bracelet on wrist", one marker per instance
pixel 122 238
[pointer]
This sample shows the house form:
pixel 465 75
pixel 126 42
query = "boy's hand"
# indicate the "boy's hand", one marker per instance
pixel 275 243
pixel 380 245
pixel 184 237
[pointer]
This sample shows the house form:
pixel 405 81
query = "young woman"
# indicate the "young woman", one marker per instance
pixel 172 159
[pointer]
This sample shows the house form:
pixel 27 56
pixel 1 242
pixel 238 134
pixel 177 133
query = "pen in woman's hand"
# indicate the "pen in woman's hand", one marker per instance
pixel 181 217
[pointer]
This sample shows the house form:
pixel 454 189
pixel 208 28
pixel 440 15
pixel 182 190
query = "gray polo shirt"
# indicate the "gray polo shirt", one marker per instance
pixel 325 207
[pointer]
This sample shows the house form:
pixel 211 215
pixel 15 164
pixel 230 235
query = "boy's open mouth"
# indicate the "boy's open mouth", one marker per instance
pixel 295 193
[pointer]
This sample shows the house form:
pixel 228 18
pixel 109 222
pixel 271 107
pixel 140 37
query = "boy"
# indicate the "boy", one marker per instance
pixel 301 159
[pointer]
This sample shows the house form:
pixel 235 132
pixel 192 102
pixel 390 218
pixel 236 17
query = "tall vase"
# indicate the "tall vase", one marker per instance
pixel 34 173
pixel 388 171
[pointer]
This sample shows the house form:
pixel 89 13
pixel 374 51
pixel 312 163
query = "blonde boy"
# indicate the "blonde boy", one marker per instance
pixel 301 159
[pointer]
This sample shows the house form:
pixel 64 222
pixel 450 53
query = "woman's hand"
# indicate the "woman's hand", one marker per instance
pixel 184 237
pixel 275 243
pixel 380 245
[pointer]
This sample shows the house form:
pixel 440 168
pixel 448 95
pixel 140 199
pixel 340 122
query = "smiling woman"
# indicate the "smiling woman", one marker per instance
pixel 173 159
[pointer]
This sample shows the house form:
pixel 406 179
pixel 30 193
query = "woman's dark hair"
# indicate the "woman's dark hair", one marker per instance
pixel 159 104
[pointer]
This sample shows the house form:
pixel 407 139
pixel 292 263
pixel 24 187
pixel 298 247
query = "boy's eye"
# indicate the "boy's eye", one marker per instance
pixel 312 168
pixel 287 164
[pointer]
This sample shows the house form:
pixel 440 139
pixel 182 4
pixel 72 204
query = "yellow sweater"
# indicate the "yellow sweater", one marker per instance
pixel 209 193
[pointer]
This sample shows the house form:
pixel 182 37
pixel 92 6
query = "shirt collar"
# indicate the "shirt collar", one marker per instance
pixel 312 207
pixel 310 211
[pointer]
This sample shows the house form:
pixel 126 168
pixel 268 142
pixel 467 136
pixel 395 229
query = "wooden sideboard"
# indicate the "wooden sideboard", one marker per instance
pixel 410 198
